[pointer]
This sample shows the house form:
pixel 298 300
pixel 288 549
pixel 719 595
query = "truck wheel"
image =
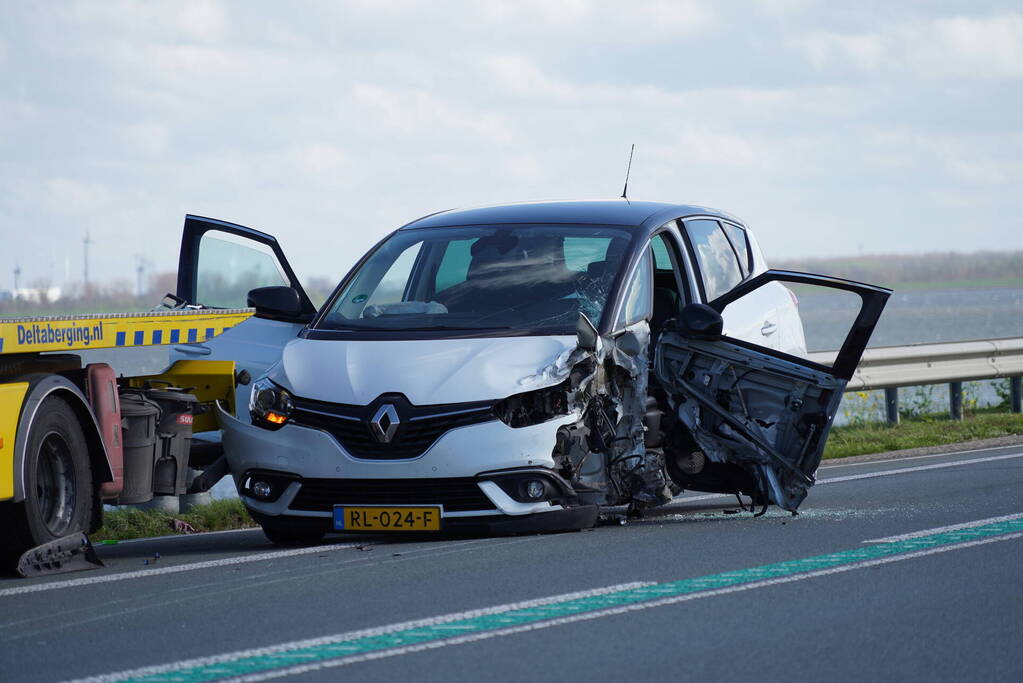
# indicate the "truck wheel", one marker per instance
pixel 58 480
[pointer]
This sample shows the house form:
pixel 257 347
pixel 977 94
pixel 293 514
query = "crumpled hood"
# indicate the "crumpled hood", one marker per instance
pixel 426 371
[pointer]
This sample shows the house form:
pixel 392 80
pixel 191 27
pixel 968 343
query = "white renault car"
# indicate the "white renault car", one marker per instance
pixel 518 367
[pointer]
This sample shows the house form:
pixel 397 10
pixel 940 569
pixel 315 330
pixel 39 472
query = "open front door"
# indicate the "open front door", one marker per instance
pixel 767 410
pixel 219 264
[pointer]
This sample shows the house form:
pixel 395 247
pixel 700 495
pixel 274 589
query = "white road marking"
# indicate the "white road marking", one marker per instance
pixel 942 529
pixel 485 635
pixel 830 464
pixel 173 569
pixel 919 468
pixel 872 475
pixel 709 496
pixel 367 632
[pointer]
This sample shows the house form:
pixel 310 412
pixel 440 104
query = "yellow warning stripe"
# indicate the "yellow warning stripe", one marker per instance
pixel 81 332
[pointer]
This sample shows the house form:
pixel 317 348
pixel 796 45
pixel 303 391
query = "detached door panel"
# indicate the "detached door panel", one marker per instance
pixel 761 408
pixel 218 265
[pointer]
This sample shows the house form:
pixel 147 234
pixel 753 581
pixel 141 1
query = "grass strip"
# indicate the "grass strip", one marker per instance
pixel 914 432
pixel 126 523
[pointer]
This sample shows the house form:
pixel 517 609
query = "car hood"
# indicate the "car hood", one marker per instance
pixel 426 371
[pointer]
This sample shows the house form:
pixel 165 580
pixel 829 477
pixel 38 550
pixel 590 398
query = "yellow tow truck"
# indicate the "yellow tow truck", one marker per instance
pixel 65 428
pixel 75 435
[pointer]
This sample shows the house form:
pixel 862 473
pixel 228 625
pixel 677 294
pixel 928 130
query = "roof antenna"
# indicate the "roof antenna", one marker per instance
pixel 625 190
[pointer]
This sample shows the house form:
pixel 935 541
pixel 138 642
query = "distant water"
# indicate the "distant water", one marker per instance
pixel 913 317
pixel 950 315
pixel 922 316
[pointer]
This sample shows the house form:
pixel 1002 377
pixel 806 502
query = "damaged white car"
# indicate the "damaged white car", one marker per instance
pixel 521 367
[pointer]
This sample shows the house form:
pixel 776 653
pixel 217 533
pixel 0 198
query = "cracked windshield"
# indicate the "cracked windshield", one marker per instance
pixel 536 278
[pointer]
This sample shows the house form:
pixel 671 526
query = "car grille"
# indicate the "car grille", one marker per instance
pixel 456 495
pixel 419 427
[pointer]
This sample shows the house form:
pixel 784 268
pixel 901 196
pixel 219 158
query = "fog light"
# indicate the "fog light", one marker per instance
pixel 261 489
pixel 535 489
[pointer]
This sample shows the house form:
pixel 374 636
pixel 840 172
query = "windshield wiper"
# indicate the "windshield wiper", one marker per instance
pixel 442 328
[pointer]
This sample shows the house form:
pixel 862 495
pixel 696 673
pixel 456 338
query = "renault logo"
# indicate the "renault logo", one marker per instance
pixel 384 423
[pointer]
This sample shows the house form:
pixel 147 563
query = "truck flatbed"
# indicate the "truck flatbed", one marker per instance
pixel 80 332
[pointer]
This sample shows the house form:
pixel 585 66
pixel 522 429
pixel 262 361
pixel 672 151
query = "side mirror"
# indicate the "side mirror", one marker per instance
pixel 700 321
pixel 586 334
pixel 275 302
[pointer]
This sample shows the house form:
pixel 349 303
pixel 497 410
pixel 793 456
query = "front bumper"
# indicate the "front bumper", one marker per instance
pixel 462 472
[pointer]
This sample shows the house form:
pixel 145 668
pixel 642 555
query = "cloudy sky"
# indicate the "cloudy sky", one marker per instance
pixel 831 127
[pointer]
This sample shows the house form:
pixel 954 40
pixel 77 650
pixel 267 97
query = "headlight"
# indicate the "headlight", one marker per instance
pixel 533 407
pixel 269 405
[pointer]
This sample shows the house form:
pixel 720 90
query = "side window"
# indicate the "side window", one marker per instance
pixel 668 296
pixel 737 236
pixel 662 259
pixel 229 266
pixel 454 267
pixel 719 269
pixel 638 296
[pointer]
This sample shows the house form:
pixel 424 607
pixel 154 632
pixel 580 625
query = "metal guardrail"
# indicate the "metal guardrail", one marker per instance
pixel 891 367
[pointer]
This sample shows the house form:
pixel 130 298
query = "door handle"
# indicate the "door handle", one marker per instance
pixel 768 328
pixel 194 349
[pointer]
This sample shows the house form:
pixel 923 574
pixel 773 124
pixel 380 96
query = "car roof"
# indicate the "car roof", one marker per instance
pixel 624 212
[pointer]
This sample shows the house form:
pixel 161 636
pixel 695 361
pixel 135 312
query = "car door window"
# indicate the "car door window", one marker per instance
pixel 220 262
pixel 811 321
pixel 638 296
pixel 230 266
pixel 669 292
pixel 715 258
pixel 662 259
pixel 737 236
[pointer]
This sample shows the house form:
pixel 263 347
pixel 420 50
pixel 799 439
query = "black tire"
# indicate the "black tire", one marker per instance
pixel 292 532
pixel 59 493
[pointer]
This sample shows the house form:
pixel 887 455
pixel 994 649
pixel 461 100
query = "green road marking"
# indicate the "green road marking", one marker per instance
pixel 411 636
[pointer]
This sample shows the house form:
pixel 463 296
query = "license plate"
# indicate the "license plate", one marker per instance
pixel 386 518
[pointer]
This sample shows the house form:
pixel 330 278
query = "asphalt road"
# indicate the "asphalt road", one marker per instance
pixel 904 569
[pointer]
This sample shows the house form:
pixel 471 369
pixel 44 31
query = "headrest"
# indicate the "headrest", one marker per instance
pixel 494 245
pixel 490 254
pixel 597 269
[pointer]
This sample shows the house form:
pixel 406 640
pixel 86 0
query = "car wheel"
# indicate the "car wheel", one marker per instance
pixel 58 482
pixel 288 532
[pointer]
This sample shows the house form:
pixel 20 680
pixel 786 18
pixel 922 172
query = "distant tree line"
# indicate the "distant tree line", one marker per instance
pixel 936 267
pixel 120 296
pixel 884 269
pixel 115 296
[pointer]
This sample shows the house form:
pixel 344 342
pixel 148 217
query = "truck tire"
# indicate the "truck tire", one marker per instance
pixel 59 491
